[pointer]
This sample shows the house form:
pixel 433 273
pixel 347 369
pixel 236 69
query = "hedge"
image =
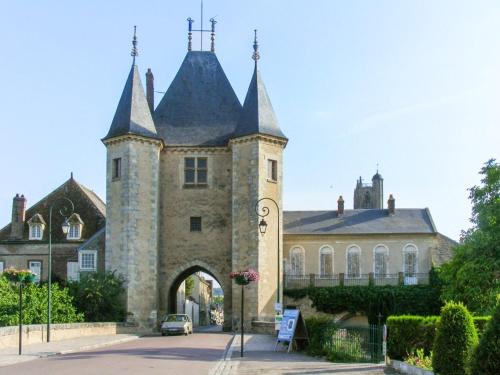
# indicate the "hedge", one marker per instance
pixel 406 333
pixel 455 339
pixel 373 300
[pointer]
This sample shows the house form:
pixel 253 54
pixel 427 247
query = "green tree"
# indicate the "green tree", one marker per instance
pixel 455 339
pixel 189 285
pixel 99 296
pixel 486 358
pixel 473 274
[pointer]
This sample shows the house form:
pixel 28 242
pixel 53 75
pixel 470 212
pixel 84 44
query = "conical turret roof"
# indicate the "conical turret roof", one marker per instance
pixel 258 115
pixel 200 108
pixel 132 115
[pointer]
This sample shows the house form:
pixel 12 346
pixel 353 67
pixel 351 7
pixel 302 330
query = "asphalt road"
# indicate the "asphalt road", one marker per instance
pixel 180 355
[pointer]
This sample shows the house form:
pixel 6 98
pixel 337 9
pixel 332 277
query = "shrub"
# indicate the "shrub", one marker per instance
pixel 455 338
pixel 99 296
pixel 408 333
pixel 320 331
pixel 35 304
pixel 480 323
pixel 486 357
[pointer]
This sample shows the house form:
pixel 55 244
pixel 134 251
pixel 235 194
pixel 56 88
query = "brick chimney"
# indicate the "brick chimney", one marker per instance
pixel 150 90
pixel 340 206
pixel 391 205
pixel 18 217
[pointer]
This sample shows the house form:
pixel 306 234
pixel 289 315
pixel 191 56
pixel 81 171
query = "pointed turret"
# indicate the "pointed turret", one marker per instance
pixel 257 116
pixel 133 115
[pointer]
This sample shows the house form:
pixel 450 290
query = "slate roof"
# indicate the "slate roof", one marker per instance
pixel 257 116
pixel 200 107
pixel 359 221
pixel 132 115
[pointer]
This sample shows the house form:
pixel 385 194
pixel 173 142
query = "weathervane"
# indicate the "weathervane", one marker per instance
pixel 201 30
pixel 256 54
pixel 135 51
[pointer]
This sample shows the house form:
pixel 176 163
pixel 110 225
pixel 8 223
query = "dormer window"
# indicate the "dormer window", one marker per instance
pixel 36 226
pixel 75 227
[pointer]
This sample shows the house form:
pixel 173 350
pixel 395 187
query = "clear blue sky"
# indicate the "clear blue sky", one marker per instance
pixel 411 85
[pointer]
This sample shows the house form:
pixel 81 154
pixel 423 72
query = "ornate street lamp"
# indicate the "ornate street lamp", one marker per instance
pixel 263 212
pixel 64 211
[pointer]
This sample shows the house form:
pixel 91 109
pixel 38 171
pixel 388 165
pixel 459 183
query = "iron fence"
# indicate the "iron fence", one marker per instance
pixel 341 279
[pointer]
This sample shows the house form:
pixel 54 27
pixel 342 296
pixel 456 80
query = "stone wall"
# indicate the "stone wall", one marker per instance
pixel 37 333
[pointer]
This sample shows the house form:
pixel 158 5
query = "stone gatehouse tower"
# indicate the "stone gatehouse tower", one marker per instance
pixel 182 184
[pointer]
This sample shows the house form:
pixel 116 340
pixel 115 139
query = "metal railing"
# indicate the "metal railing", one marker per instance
pixel 341 279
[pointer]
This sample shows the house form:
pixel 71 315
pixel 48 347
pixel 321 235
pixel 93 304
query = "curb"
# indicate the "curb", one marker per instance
pixel 34 356
pixel 223 367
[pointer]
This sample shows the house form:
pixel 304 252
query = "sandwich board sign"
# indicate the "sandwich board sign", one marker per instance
pixel 292 328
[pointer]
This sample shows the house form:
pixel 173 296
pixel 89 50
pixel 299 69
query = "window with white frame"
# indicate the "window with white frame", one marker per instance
pixel 353 261
pixel 380 260
pixel 326 261
pixel 410 257
pixel 36 231
pixel 297 259
pixel 35 266
pixel 2 266
pixel 87 260
pixel 75 231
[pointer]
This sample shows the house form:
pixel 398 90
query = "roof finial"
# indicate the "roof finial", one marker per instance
pixel 377 167
pixel 190 33
pixel 212 34
pixel 255 55
pixel 135 51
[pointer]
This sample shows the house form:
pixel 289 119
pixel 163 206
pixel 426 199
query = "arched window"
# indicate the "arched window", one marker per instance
pixel 410 254
pixel 326 261
pixel 353 261
pixel 380 260
pixel 297 260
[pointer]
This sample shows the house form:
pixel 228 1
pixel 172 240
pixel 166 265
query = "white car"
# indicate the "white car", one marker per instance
pixel 176 324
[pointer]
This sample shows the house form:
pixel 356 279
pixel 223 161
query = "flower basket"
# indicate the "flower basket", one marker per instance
pixel 19 276
pixel 244 277
pixel 11 274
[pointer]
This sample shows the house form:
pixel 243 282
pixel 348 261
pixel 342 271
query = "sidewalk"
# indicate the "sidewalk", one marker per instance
pixel 260 358
pixel 9 356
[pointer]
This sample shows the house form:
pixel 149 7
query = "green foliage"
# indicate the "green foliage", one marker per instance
pixel 408 333
pixel 372 300
pixel 189 282
pixel 472 275
pixel 320 331
pixel 35 304
pixel 419 359
pixel 486 357
pixel 99 296
pixel 455 339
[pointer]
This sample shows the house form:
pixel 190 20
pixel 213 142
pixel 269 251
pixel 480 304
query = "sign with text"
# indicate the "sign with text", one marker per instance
pixel 292 328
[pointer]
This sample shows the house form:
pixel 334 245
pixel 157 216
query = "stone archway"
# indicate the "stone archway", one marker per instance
pixel 172 283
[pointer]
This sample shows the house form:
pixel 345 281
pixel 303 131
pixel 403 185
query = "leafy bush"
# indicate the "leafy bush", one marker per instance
pixel 486 357
pixel 419 359
pixel 406 333
pixel 99 296
pixel 320 331
pixel 455 338
pixel 35 304
pixel 372 300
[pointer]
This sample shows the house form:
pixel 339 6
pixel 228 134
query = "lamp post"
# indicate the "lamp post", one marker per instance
pixel 263 212
pixel 64 212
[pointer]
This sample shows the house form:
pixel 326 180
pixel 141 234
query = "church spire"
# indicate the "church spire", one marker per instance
pixel 132 115
pixel 257 116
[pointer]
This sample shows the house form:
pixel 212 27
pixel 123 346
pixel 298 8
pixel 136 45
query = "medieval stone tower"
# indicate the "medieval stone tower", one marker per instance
pixel 369 195
pixel 183 183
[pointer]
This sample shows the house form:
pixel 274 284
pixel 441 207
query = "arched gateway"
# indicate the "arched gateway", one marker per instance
pixel 181 187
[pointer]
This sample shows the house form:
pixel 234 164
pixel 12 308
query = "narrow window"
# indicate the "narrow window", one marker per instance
pixel 117 168
pixel 2 266
pixel 35 266
pixel 380 258
pixel 410 264
pixel 353 266
pixel 189 170
pixel 272 170
pixel 201 171
pixel 297 261
pixel 195 224
pixel 326 261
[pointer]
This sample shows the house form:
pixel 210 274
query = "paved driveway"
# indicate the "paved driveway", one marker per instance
pixel 180 355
